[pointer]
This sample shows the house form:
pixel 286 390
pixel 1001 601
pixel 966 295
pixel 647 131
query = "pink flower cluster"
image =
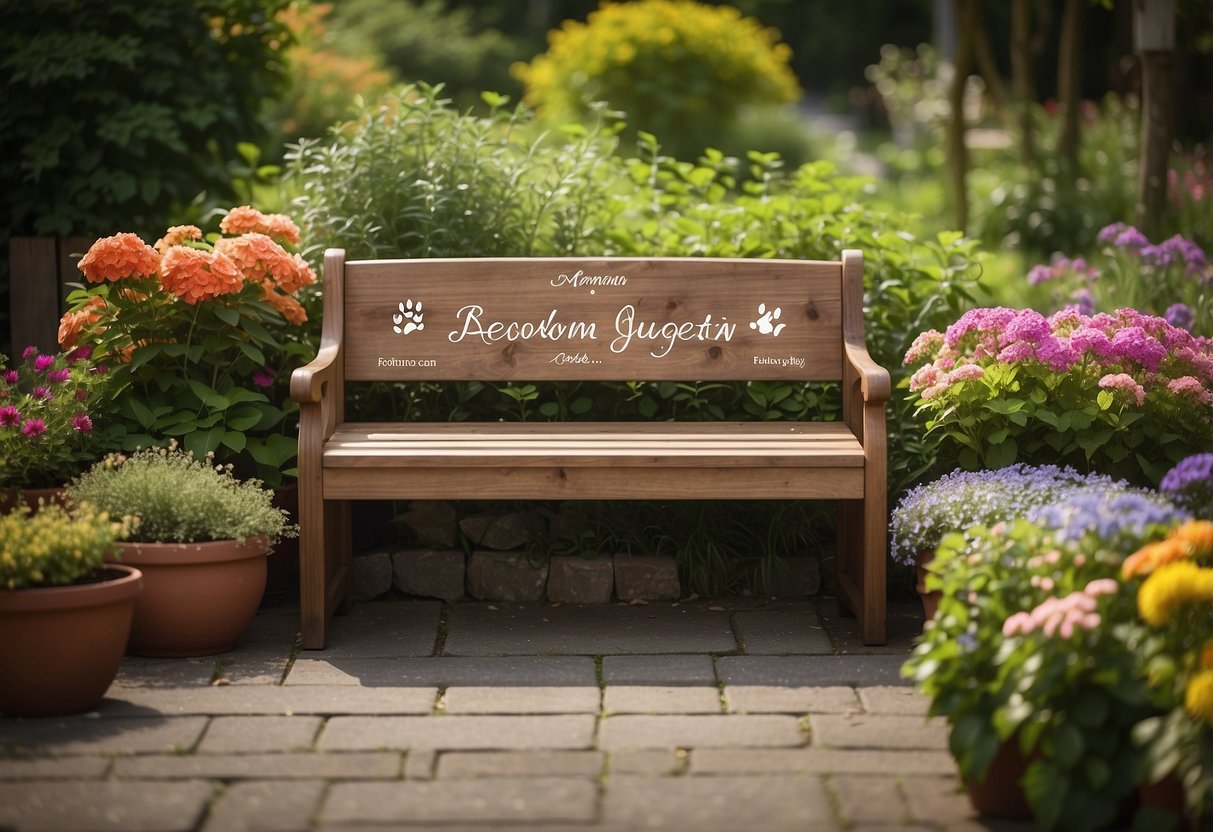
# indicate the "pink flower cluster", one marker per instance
pixel 1062 616
pixel 1060 268
pixel 1127 351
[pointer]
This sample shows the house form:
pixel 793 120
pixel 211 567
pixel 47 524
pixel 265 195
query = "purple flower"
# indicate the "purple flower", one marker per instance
pixel 1083 301
pixel 264 378
pixel 1110 232
pixel 1029 325
pixel 29 352
pixel 82 423
pixel 10 417
pixel 43 362
pixel 1193 470
pixel 1041 274
pixel 81 395
pixel 11 376
pixel 1178 314
pixel 42 394
pixel 1111 516
pixel 58 376
pixel 1131 238
pixel 33 427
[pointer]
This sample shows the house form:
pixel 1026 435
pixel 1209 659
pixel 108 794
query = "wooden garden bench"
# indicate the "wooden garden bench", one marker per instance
pixel 538 319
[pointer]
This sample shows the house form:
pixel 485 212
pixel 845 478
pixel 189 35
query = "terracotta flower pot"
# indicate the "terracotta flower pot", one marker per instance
pixel 12 497
pixel 930 600
pixel 1000 795
pixel 62 646
pixel 198 597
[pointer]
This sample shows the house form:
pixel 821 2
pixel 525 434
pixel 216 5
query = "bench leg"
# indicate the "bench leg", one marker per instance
pixel 860 566
pixel 324 564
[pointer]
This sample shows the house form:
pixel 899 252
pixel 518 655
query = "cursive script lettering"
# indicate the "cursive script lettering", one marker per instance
pixel 548 329
pixel 668 333
pixel 580 278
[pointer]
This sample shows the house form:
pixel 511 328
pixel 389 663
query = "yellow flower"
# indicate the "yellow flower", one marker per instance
pixel 1171 586
pixel 1198 698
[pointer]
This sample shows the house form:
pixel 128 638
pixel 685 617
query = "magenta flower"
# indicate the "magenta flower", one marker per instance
pixel 10 417
pixel 80 353
pixel 33 427
pixel 43 362
pixel 58 376
pixel 81 395
pixel 42 394
pixel 1131 239
pixel 81 423
pixel 264 378
pixel 29 352
pixel 11 376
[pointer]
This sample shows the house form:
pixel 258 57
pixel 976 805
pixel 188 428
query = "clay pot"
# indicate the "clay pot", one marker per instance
pixel 62 645
pixel 1000 795
pixel 930 600
pixel 198 598
pixel 31 497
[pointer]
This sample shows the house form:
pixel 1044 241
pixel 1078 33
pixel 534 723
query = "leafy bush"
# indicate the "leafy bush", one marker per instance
pixel 180 499
pixel 54 548
pixel 679 69
pixel 116 112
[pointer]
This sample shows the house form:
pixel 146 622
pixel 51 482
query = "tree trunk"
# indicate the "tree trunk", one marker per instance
pixel 1022 84
pixel 989 67
pixel 1154 39
pixel 958 152
pixel 1069 93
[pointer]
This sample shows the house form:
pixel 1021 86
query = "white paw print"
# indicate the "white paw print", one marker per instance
pixel 765 323
pixel 408 319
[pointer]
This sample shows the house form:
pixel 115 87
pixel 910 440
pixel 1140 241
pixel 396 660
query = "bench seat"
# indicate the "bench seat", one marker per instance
pixel 589 460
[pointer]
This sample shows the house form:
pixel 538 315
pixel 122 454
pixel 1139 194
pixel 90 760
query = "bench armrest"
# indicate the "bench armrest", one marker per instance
pixel 874 381
pixel 307 382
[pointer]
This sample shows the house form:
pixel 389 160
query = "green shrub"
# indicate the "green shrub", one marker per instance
pixel 116 112
pixel 180 499
pixel 679 69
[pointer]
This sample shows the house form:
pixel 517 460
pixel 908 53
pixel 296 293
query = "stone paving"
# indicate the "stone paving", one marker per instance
pixel 708 715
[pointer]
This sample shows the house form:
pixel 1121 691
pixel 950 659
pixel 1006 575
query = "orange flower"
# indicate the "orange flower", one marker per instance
pixel 73 324
pixel 1198 534
pixel 195 275
pixel 304 275
pixel 177 235
pixel 246 219
pixel 1153 555
pixel 257 256
pixel 119 257
pixel 286 305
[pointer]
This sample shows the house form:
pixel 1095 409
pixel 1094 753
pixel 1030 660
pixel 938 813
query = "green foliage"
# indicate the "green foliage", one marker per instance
pixel 1042 207
pixel 54 548
pixel 1072 694
pixel 115 112
pixel 679 69
pixel 430 41
pixel 180 499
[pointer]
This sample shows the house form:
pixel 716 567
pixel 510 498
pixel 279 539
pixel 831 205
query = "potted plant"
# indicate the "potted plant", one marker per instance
pixel 1126 394
pixel 47 436
pixel 65 614
pixel 963 499
pixel 202 543
pixel 1033 660
pixel 1173 580
pixel 198 331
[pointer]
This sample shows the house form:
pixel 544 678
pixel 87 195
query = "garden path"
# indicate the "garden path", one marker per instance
pixel 708 715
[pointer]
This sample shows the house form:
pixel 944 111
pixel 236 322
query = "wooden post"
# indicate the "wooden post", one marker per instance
pixel 39 269
pixel 958 151
pixel 1154 40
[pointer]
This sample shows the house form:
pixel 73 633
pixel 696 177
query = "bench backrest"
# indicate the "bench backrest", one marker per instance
pixel 541 319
